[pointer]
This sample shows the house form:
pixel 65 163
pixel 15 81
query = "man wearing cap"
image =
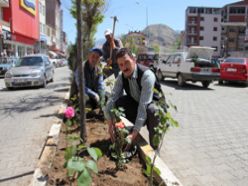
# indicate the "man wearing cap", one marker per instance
pixel 94 84
pixel 110 47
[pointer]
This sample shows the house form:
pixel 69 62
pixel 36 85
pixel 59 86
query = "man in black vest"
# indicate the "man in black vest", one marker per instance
pixel 139 102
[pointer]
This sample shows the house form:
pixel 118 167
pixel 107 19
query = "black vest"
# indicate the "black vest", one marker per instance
pixel 157 96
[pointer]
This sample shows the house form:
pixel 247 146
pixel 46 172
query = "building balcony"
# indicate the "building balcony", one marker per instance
pixel 4 3
pixel 192 23
pixel 233 24
pixel 192 33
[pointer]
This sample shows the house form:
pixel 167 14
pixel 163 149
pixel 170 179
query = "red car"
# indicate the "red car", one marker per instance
pixel 234 69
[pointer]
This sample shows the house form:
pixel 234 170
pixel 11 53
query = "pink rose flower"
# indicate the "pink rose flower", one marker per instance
pixel 69 112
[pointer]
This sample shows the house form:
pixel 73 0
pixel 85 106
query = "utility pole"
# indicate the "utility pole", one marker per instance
pixel 83 134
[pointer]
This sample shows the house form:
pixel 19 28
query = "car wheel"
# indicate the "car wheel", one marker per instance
pixel 159 75
pixel 220 82
pixel 9 88
pixel 205 84
pixel 44 83
pixel 180 80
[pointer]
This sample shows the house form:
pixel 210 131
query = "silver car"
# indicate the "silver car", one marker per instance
pixel 33 70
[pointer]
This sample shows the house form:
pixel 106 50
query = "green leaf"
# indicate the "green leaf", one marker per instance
pixel 98 152
pixel 156 169
pixel 68 122
pixel 147 171
pixel 76 164
pixel 148 160
pixel 84 179
pixel 92 165
pixel 81 146
pixel 92 152
pixel 73 137
pixel 156 140
pixel 70 172
pixel 70 152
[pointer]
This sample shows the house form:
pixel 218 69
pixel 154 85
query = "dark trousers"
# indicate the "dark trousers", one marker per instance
pixel 131 108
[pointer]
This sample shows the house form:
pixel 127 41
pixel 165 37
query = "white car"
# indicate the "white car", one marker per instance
pixel 33 70
pixel 194 65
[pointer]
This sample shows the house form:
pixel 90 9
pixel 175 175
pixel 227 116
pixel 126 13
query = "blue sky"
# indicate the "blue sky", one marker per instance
pixel 133 14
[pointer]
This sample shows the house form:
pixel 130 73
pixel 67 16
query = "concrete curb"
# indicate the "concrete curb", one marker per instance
pixel 146 150
pixel 47 155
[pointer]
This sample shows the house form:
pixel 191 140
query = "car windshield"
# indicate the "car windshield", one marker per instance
pixel 234 60
pixel 30 61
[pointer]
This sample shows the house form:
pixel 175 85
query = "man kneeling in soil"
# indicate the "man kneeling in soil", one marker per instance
pixel 139 102
pixel 94 84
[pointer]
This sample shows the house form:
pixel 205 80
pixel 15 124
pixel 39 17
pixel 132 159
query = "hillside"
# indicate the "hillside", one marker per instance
pixel 161 35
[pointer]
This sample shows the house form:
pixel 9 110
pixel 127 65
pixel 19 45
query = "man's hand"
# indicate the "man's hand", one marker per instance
pixel 131 137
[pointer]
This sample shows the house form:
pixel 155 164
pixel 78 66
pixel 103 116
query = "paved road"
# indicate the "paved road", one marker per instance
pixel 210 148
pixel 25 118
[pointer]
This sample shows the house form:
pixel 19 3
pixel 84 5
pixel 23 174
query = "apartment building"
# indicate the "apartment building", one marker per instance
pixel 234 26
pixel 136 40
pixel 54 24
pixel 203 28
pixel 41 45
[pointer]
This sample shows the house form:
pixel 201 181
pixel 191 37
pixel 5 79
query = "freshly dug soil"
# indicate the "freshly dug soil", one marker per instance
pixel 98 136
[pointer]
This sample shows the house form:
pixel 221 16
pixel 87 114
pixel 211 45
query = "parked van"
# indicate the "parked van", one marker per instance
pixel 194 65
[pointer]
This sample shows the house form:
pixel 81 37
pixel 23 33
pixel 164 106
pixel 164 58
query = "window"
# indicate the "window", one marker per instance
pixel 237 10
pixel 192 10
pixel 177 59
pixel 214 38
pixel 170 59
pixel 202 18
pixel 201 28
pixel 215 29
pixel 40 8
pixel 44 10
pixel 215 19
pixel 201 37
pixel 200 10
pixel 40 27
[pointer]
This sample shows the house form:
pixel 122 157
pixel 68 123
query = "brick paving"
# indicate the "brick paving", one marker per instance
pixel 210 147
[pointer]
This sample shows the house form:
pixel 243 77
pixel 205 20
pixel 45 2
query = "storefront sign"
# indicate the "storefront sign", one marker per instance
pixel 29 6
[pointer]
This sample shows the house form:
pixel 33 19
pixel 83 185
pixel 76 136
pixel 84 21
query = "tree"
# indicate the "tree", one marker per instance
pixel 88 14
pixel 92 15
